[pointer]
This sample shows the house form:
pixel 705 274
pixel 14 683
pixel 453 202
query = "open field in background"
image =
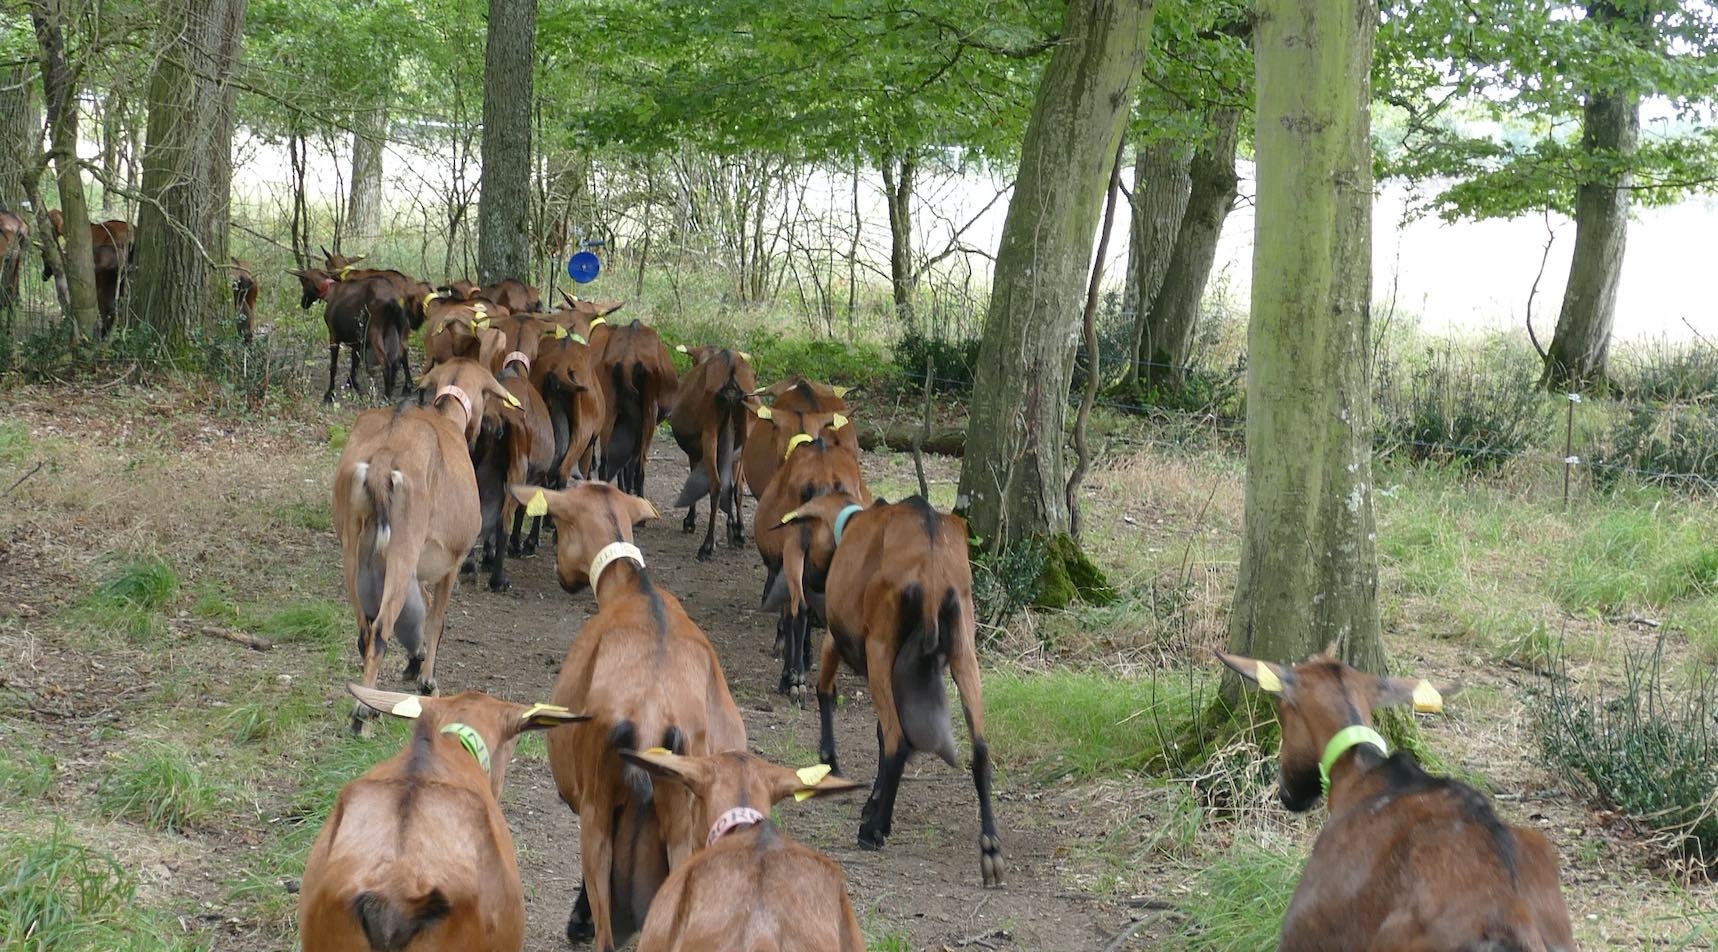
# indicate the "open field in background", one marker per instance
pixel 161 782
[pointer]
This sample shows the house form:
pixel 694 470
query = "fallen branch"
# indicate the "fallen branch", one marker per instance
pixel 20 482
pixel 238 637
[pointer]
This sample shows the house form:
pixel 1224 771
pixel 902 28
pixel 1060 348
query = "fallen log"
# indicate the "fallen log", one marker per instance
pixel 943 441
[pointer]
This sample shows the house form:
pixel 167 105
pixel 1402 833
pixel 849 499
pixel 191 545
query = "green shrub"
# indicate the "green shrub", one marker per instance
pixel 1477 409
pixel 58 895
pixel 831 361
pixel 159 786
pixel 953 362
pixel 1674 446
pixel 1665 371
pixel 1643 750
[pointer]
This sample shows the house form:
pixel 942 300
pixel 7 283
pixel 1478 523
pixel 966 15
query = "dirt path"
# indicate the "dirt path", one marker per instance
pixel 923 888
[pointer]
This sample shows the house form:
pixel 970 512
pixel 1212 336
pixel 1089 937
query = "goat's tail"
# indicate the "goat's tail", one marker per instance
pixel 396 326
pixel 920 656
pixel 391 925
pixel 374 488
pixel 640 790
pixel 731 418
pixel 629 420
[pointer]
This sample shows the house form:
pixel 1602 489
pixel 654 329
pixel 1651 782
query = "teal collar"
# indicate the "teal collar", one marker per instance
pixel 1346 739
pixel 841 519
pixel 471 740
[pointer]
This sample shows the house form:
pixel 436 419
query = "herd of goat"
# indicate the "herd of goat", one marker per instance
pixel 523 413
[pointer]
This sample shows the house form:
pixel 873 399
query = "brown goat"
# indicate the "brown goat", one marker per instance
pixel 406 511
pixel 710 418
pixel 1405 860
pixel 14 238
pixel 636 375
pixel 814 467
pixel 416 853
pixel 578 313
pixel 244 299
pixel 563 374
pixel 899 607
pixel 800 393
pixel 776 432
pixel 648 677
pixel 512 294
pixel 112 252
pixel 750 887
pixel 450 328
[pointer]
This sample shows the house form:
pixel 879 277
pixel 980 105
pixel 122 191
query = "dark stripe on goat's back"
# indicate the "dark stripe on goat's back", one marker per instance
pixel 419 762
pixel 929 518
pixel 1404 776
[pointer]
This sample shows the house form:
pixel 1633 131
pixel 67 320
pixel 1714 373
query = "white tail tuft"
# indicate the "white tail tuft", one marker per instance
pixel 360 473
pixel 396 479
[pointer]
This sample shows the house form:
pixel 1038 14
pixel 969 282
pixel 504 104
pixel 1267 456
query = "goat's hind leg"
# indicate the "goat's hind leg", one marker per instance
pixel 433 629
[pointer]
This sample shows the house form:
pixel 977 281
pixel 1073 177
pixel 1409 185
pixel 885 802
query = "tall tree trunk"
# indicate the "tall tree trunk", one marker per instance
pixel 1309 569
pixel 899 173
pixel 181 277
pixel 1013 476
pixel 1610 130
pixel 20 134
pixel 1174 313
pixel 364 210
pixel 1161 189
pixel 59 96
pixel 112 131
pixel 504 215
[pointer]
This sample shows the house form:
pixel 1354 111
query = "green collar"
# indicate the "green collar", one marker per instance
pixel 471 740
pixel 1346 739
pixel 842 517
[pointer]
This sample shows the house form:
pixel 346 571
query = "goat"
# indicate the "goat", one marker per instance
pixel 1406 860
pixel 112 253
pixel 520 449
pixel 14 238
pixel 814 467
pixel 648 677
pixel 336 263
pixel 799 393
pixel 450 328
pixel 898 603
pixel 578 313
pixel 775 434
pixel 416 852
pixel 709 421
pixel 367 313
pixel 636 374
pixel 244 299
pixel 563 374
pixel 406 510
pixel 750 887
pixel 512 294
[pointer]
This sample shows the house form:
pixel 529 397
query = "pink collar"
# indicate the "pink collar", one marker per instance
pixel 323 286
pixel 518 356
pixel 731 821
pixel 452 391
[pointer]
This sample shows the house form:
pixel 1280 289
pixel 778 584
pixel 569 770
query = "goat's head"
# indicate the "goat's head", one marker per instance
pixel 461 290
pixel 1315 700
pixel 737 778
pixel 588 517
pixel 475 381
pixel 315 284
pixel 496 722
pixel 820 516
pixel 335 263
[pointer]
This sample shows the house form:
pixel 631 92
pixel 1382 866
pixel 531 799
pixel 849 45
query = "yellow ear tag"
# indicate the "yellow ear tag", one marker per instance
pixel 598 321
pixel 810 776
pixel 410 707
pixel 659 751
pixel 680 348
pixel 744 356
pixel 839 421
pixel 511 401
pixel 536 709
pixel 1268 681
pixel 481 322
pixel 1427 700
pixel 538 506
pixel 790 517
pixel 795 442
pixel 580 339
pixel 841 391
pixel 345 271
pixel 560 332
pixel 764 413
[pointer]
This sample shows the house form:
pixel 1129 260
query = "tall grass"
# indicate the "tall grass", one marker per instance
pixel 59 895
pixel 160 786
pixel 133 595
pixel 1082 725
pixel 1239 901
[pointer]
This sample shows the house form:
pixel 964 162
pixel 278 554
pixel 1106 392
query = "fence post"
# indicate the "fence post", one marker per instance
pixel 1570 460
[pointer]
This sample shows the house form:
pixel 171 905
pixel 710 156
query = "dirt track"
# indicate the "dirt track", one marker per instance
pixel 924 884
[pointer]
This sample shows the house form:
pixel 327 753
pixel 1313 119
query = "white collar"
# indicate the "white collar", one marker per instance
pixel 731 821
pixel 611 553
pixel 516 357
pixel 452 391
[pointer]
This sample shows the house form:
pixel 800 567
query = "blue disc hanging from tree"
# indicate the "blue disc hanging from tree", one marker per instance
pixel 584 267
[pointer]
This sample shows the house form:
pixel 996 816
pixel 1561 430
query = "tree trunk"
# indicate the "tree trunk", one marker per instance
pixel 1174 313
pixel 364 210
pixel 20 134
pixel 60 101
pixel 1161 189
pixel 1013 478
pixel 112 131
pixel 1610 129
pixel 1308 573
pixel 504 215
pixel 898 176
pixel 181 276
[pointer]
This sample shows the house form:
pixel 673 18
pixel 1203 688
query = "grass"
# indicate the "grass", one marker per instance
pixel 1240 898
pixel 26 773
pixel 133 595
pixel 1083 725
pixel 15 443
pixel 1638 558
pixel 318 622
pixel 160 786
pixel 59 895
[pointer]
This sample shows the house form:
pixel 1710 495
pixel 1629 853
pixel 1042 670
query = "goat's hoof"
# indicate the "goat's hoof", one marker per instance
pixel 468 567
pixel 361 716
pixel 706 553
pixel 990 860
pixel 580 929
pixel 690 523
pixel 501 584
pixel 527 550
pixel 515 551
pixel 870 839
pixel 414 667
pixel 834 768
pixel 426 687
pixel 785 685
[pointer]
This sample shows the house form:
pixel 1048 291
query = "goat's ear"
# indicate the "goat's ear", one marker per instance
pixel 693 772
pixel 536 500
pixel 808 782
pixel 640 509
pixel 763 412
pixel 1270 678
pixel 541 717
pixel 604 310
pixel 388 702
pixel 1427 699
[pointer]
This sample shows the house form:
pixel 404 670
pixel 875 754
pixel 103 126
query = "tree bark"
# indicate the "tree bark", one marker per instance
pixel 364 210
pixel 1610 131
pixel 59 97
pixel 504 215
pixel 1013 477
pixel 20 134
pixel 1174 313
pixel 1308 573
pixel 112 131
pixel 181 275
pixel 898 177
pixel 1161 190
